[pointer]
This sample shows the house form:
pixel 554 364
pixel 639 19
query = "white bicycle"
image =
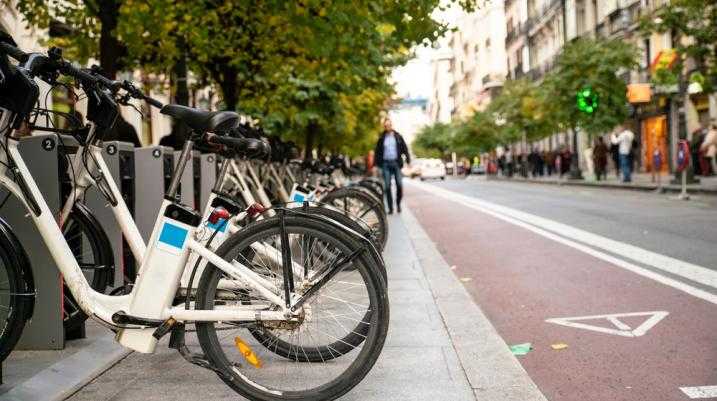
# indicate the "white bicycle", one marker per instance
pixel 279 309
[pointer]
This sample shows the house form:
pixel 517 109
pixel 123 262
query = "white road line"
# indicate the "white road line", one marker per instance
pixel 550 229
pixel 700 392
pixel 622 328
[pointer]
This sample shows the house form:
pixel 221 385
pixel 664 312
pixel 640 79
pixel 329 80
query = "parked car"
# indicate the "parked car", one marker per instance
pixel 449 168
pixel 413 170
pixel 478 169
pixel 433 168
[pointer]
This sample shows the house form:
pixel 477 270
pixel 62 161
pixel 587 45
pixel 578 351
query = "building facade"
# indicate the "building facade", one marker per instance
pixel 471 67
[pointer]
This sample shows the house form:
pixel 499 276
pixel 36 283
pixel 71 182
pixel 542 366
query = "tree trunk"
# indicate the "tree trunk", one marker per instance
pixel 310 139
pixel 181 91
pixel 111 50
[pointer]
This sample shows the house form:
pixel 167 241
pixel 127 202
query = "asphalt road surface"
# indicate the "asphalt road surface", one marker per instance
pixel 623 283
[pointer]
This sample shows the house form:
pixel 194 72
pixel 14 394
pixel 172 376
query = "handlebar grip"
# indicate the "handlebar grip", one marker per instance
pixel 68 69
pixel 106 82
pixel 153 102
pixel 13 52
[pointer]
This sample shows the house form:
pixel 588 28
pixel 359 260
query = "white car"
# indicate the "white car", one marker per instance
pixel 433 168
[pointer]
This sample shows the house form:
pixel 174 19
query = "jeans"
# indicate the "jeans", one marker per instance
pixel 391 168
pixel 626 167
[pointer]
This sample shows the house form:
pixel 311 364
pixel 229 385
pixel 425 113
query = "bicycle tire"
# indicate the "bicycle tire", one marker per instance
pixel 84 233
pixel 370 348
pixel 338 198
pixel 15 309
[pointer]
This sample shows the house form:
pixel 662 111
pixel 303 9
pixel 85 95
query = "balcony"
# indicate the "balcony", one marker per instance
pixel 514 32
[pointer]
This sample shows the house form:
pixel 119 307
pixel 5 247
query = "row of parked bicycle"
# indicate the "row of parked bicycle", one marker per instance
pixel 280 277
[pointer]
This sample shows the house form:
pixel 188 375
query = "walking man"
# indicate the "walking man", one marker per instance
pixel 389 149
pixel 624 141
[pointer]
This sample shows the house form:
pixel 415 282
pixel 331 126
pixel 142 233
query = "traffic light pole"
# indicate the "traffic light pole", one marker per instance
pixel 575 172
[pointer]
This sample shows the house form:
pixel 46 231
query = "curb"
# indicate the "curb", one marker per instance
pixel 631 187
pixel 65 377
pixel 492 371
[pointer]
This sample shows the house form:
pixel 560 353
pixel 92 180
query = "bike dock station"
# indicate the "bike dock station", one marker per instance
pixel 50 362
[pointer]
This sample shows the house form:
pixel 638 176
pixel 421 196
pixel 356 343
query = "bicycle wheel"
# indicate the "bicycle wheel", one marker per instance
pixel 329 324
pixel 13 291
pixel 362 204
pixel 91 248
pixel 373 186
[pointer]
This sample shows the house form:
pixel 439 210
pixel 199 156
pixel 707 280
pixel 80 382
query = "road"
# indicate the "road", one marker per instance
pixel 628 280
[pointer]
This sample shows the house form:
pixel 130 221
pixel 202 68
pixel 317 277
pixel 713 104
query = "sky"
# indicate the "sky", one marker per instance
pixel 415 78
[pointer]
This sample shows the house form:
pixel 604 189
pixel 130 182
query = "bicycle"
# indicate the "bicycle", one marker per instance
pixel 269 304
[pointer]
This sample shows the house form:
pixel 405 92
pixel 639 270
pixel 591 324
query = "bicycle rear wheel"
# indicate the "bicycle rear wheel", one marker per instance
pixel 91 248
pixel 330 331
pixel 14 293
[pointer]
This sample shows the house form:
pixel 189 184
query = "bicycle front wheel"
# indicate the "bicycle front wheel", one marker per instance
pixel 15 293
pixel 91 248
pixel 342 329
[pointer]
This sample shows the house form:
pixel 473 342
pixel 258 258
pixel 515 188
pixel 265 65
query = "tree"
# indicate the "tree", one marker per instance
pixel 477 134
pixel 693 27
pixel 434 141
pixel 591 65
pixel 525 110
pixel 693 24
pixel 315 71
pixel 84 29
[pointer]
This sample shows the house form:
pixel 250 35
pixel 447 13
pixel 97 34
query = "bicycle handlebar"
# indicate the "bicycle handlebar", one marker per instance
pixel 13 52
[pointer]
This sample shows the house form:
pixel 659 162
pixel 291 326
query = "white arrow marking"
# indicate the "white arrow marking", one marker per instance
pixel 622 329
pixel 700 392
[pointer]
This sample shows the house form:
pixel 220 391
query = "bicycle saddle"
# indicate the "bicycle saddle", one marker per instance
pixel 201 120
pixel 251 148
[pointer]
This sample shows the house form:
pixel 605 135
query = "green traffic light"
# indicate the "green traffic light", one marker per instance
pixel 587 101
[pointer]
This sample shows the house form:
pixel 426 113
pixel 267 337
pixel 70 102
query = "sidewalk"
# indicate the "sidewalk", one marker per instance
pixel 440 345
pixel 640 181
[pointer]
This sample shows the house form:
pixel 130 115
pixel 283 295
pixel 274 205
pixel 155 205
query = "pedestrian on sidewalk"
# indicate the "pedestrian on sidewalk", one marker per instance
pixel 709 145
pixel 565 158
pixel 615 156
pixel 388 157
pixel 600 152
pixel 549 157
pixel 509 162
pixel 698 136
pixel 624 141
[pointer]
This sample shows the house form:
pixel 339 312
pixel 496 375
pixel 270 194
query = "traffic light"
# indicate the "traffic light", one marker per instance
pixel 587 100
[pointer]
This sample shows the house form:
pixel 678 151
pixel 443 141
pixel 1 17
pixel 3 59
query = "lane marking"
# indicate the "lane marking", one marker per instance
pixel 481 207
pixel 622 329
pixel 700 392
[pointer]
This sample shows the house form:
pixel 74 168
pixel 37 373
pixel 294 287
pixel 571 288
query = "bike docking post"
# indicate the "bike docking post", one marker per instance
pixel 44 156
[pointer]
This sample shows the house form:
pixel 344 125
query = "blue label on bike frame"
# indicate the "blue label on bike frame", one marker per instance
pixel 173 236
pixel 298 197
pixel 221 225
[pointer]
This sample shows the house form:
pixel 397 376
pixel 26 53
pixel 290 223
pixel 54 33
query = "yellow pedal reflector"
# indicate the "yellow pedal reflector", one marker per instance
pixel 247 352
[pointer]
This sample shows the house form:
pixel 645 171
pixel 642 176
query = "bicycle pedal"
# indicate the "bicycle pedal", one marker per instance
pixel 164 328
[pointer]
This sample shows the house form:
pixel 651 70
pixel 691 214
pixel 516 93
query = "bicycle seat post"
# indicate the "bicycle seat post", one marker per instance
pixel 179 170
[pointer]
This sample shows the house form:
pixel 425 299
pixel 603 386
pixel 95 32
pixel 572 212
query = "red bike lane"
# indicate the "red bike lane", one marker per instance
pixel 520 279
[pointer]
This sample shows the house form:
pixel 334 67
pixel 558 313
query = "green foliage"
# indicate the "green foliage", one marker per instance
pixel 696 22
pixel 523 109
pixel 595 64
pixel 534 110
pixel 434 141
pixel 313 71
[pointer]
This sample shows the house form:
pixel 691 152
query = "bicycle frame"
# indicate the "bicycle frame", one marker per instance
pixel 165 258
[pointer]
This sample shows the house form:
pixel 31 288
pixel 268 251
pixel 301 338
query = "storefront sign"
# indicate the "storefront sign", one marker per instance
pixel 638 93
